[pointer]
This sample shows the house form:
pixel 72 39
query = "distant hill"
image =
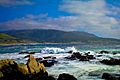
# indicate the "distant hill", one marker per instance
pixel 8 39
pixel 6 36
pixel 57 36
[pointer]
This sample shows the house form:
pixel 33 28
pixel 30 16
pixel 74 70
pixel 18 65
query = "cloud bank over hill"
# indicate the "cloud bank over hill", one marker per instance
pixel 94 16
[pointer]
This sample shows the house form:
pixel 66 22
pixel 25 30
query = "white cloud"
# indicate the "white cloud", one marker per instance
pixel 92 16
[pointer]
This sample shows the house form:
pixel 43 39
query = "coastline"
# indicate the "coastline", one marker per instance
pixel 9 44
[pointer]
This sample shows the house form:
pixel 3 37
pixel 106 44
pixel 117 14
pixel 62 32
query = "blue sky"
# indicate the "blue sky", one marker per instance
pixel 100 17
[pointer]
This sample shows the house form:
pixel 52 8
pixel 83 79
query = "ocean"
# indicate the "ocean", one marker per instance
pixel 82 70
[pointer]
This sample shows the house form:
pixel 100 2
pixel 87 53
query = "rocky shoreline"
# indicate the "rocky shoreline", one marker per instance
pixel 35 68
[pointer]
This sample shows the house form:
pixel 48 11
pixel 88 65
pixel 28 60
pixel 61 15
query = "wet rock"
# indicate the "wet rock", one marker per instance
pixel 51 78
pixel 48 63
pixel 103 51
pixel 84 58
pixel 114 53
pixel 77 55
pixel 65 76
pixel 111 61
pixel 90 57
pixel 31 52
pixel 39 59
pixel 24 53
pixel 109 76
pixel 27 53
pixel 27 56
pixel 69 52
pixel 72 57
pixel 49 57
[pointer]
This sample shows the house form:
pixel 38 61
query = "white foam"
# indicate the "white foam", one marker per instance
pixel 58 50
pixel 52 50
pixel 71 49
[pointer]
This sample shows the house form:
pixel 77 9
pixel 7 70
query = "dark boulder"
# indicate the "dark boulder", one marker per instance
pixel 27 53
pixel 39 59
pixel 111 61
pixel 27 56
pixel 77 55
pixel 103 51
pixel 90 57
pixel 72 57
pixel 109 76
pixel 31 52
pixel 65 76
pixel 48 63
pixel 69 52
pixel 49 57
pixel 24 53
pixel 84 58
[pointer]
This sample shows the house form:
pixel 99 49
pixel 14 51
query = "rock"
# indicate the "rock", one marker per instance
pixel 49 57
pixel 31 52
pixel 50 78
pixel 65 76
pixel 1 74
pixel 77 55
pixel 111 62
pixel 34 66
pixel 84 58
pixel 27 53
pixel 8 70
pixel 33 70
pixel 109 76
pixel 27 56
pixel 48 63
pixel 114 53
pixel 101 52
pixel 6 62
pixel 24 53
pixel 69 52
pixel 90 57
pixel 23 69
pixel 39 59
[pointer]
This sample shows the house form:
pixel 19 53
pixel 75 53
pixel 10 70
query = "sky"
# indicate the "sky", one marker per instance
pixel 99 17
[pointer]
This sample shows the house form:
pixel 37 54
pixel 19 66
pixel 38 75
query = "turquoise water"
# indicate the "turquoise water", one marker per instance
pixel 38 47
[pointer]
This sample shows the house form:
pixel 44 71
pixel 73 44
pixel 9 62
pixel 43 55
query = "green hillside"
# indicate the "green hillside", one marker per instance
pixel 8 39
pixel 6 36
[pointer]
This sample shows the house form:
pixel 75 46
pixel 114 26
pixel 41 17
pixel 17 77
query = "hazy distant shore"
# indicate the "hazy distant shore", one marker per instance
pixel 6 44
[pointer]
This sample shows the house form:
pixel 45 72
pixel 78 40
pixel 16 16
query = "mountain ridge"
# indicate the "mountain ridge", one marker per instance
pixel 57 36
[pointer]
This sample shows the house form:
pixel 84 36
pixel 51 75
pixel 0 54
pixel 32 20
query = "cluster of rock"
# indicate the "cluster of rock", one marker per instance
pixel 77 55
pixel 112 61
pixel 48 61
pixel 111 76
pixel 10 70
pixel 33 70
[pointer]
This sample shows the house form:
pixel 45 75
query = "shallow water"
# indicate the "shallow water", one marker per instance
pixel 82 70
